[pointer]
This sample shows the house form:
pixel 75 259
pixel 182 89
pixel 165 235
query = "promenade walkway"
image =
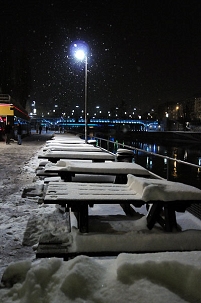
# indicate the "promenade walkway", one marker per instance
pixel 14 157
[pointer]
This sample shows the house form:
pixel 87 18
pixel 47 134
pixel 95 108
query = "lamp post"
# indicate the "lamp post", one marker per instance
pixel 80 53
pixel 85 102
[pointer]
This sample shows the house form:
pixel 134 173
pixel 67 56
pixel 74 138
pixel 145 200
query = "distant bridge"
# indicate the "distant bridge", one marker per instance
pixel 143 125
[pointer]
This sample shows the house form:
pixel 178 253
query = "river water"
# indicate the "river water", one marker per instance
pixel 177 172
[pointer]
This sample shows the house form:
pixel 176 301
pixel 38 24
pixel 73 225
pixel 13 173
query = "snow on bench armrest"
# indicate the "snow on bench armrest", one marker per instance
pixel 63 163
pixel 163 190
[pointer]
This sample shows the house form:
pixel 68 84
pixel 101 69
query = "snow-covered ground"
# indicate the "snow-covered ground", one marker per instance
pixel 143 277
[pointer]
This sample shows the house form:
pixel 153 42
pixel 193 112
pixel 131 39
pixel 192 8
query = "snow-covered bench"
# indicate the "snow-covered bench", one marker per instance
pixel 67 169
pixel 58 147
pixel 163 195
pixel 66 140
pixel 98 156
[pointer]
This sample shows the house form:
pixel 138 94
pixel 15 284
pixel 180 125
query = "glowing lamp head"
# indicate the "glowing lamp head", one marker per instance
pixel 79 50
pixel 79 54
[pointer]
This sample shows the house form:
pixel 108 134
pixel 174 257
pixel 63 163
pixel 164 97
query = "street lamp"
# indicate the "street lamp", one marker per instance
pixel 80 53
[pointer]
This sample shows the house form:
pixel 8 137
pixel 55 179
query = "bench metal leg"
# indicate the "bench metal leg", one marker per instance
pixel 83 219
pixel 167 220
pixel 129 211
pixel 154 215
pixel 170 218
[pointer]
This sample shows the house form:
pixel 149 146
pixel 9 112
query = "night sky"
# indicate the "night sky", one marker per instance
pixel 141 53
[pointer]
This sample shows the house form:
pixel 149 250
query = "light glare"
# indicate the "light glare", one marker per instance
pixel 79 54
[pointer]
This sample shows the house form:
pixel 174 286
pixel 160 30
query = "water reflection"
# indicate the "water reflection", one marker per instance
pixel 172 170
pixel 174 174
pixel 177 171
pixel 199 169
pixel 185 155
pixel 149 163
pixel 175 155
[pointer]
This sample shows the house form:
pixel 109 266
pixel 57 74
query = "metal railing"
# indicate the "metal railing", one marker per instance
pixel 113 146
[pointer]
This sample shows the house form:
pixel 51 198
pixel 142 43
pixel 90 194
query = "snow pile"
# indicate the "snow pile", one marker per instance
pixel 160 277
pixel 135 241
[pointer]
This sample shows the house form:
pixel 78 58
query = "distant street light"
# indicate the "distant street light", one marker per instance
pixel 80 50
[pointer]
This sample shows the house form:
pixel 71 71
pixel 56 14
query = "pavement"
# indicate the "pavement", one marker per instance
pixel 14 158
